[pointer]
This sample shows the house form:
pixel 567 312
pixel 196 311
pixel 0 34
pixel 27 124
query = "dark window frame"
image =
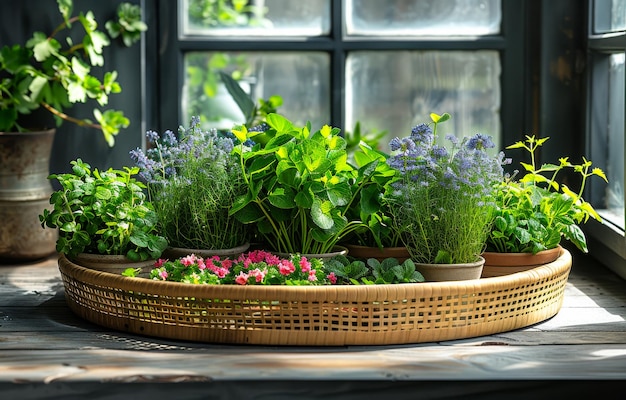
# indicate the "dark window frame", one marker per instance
pixel 510 43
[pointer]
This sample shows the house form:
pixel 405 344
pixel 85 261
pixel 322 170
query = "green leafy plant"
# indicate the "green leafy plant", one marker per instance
pixel 535 212
pixel 389 271
pixel 103 212
pixel 54 74
pixel 444 198
pixel 373 205
pixel 300 186
pixel 193 180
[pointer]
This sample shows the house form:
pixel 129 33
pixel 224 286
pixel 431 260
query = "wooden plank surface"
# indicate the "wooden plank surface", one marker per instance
pixel 42 342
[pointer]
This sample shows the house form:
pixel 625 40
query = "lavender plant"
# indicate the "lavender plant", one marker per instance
pixel 444 199
pixel 192 181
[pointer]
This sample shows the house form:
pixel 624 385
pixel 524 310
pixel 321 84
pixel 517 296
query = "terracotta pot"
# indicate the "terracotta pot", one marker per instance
pixel 113 264
pixel 24 193
pixel 177 252
pixel 337 250
pixel 498 264
pixel 451 272
pixel 365 252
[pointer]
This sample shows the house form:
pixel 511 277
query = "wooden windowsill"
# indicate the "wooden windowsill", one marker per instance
pixel 42 343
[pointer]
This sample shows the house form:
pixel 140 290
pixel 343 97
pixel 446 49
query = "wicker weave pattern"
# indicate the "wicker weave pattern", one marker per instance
pixel 317 315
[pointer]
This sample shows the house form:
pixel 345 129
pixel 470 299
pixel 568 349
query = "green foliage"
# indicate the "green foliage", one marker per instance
pixel 103 213
pixel 56 73
pixel 373 207
pixel 535 212
pixel 389 271
pixel 226 13
pixel 300 186
pixel 444 199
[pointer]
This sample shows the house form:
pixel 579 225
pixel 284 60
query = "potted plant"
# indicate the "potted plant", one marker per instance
pixel 535 212
pixel 379 238
pixel 103 213
pixel 300 186
pixel 444 199
pixel 48 75
pixel 193 180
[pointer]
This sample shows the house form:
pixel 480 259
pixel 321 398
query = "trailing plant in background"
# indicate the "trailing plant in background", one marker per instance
pixel 55 74
pixel 193 180
pixel 536 211
pixel 103 212
pixel 444 198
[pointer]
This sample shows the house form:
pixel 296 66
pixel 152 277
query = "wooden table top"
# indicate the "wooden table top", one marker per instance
pixel 49 352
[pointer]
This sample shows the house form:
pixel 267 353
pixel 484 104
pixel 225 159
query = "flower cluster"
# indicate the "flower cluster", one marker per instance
pixel 445 195
pixel 168 153
pixel 256 267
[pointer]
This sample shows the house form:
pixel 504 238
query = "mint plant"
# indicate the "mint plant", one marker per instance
pixel 103 212
pixel 55 73
pixel 535 212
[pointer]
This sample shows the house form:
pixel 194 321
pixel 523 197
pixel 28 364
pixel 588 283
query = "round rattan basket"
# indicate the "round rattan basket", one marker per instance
pixel 317 315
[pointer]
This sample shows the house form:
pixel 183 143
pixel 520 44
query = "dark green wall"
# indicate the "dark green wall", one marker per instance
pixel 19 19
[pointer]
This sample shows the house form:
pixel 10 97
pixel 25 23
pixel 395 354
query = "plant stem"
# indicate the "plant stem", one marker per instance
pixel 66 117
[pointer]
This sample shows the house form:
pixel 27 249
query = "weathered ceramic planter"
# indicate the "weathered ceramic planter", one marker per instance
pixel 365 252
pixel 451 272
pixel 24 194
pixel 498 264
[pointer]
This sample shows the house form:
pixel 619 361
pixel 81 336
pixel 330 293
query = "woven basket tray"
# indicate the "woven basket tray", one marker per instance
pixel 317 315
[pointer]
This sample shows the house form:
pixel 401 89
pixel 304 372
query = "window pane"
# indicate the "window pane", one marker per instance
pixel 394 91
pixel 607 116
pixel 256 17
pixel 423 17
pixel 301 79
pixel 609 15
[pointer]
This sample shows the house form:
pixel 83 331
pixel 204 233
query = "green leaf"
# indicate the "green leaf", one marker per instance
pixel 246 105
pixel 65 8
pixel 42 46
pixel 321 213
pixel 282 198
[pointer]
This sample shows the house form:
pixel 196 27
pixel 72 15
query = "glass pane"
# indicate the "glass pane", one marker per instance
pixel 255 17
pixel 423 17
pixel 301 79
pixel 609 16
pixel 608 135
pixel 394 91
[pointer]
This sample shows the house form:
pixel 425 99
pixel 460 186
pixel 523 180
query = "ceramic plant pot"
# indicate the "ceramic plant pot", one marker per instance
pixel 113 264
pixel 498 264
pixel 177 252
pixel 451 272
pixel 24 193
pixel 366 252
pixel 337 251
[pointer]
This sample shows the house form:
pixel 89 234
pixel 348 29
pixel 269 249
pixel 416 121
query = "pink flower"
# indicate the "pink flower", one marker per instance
pixel 220 272
pixel 227 263
pixel 312 276
pixel 272 259
pixel 159 263
pixel 258 274
pixel 163 274
pixel 241 279
pixel 286 267
pixel 332 278
pixel 305 265
pixel 188 260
